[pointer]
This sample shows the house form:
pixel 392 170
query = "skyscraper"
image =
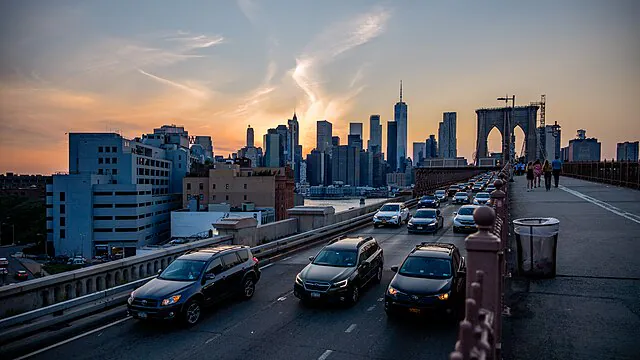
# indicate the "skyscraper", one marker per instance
pixel 284 155
pixel 375 133
pixel 293 141
pixel 627 151
pixel 272 148
pixel 419 152
pixel 345 163
pixel 250 137
pixel 392 144
pixel 335 141
pixel 355 129
pixel 323 135
pixel 431 147
pixel 448 143
pixel 355 141
pixel 400 117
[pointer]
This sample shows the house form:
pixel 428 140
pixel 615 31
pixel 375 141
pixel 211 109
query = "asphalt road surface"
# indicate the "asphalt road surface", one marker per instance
pixel 275 325
pixel 14 265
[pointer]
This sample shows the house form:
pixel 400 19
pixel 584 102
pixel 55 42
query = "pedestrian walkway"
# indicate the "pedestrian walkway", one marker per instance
pixel 591 309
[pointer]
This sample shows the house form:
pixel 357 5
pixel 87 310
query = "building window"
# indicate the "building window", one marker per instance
pixel 100 160
pixel 114 149
pixel 114 171
pixel 100 149
pixel 107 160
pixel 62 209
pixel 188 186
pixel 63 233
pixel 245 197
pixel 63 221
pixel 180 166
pixel 214 186
pixel 245 186
pixel 227 197
pixel 114 160
pixel 107 149
pixel 179 157
pixel 213 197
pixel 201 186
pixel 100 171
pixel 226 186
pixel 62 196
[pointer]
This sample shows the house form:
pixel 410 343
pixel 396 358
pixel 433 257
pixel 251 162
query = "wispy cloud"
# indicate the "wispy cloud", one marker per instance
pixel 196 92
pixel 249 9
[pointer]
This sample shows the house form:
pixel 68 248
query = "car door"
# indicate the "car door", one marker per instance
pixel 364 272
pixel 459 281
pixel 405 212
pixel 214 287
pixel 376 258
pixel 232 274
pixel 440 219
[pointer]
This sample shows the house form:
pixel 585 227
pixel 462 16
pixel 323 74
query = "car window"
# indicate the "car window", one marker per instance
pixel 215 267
pixel 230 260
pixel 390 208
pixel 456 260
pixel 368 251
pixel 424 267
pixel 244 255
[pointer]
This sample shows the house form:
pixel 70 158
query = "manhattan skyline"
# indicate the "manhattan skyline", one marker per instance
pixel 217 67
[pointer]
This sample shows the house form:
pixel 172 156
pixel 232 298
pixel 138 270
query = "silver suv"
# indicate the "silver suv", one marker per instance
pixel 391 214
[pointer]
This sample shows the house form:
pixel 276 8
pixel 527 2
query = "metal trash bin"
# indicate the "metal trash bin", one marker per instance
pixel 536 245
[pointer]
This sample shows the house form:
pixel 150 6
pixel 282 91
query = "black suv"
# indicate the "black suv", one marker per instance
pixel 194 280
pixel 431 277
pixel 340 270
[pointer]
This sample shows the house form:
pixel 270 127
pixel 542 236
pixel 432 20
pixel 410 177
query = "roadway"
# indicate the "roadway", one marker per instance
pixel 14 265
pixel 275 325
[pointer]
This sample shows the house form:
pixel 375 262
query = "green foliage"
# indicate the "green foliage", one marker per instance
pixel 26 215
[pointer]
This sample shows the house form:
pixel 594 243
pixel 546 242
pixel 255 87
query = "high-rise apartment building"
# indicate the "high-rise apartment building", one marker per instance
pixel 356 129
pixel 419 152
pixel 207 145
pixel 552 142
pixel 118 194
pixel 355 141
pixel 272 149
pixel 318 168
pixel 323 136
pixel 627 151
pixel 584 149
pixel 335 141
pixel 431 147
pixel 392 145
pixel 345 165
pixel 400 117
pixel 447 140
pixel 375 133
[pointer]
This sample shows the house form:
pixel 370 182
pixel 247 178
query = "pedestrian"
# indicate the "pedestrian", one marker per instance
pixel 556 166
pixel 529 176
pixel 546 169
pixel 537 172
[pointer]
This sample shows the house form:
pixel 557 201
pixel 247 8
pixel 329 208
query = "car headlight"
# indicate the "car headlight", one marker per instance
pixel 394 217
pixel 299 280
pixel 341 284
pixel 476 202
pixel 171 300
pixel 444 296
pixel 393 291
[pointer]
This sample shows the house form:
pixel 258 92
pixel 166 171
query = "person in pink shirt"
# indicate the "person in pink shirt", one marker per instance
pixel 537 172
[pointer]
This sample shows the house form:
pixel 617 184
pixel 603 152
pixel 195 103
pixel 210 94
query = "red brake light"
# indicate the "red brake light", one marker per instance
pixel 255 259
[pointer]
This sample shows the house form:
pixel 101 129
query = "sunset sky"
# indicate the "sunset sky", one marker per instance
pixel 217 66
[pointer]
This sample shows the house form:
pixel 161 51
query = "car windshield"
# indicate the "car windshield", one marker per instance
pixel 390 208
pixel 483 195
pixel 466 211
pixel 462 194
pixel 425 267
pixel 338 258
pixel 425 214
pixel 440 192
pixel 428 197
pixel 182 270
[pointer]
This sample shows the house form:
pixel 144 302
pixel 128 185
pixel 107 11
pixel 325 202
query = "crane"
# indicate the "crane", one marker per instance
pixel 541 128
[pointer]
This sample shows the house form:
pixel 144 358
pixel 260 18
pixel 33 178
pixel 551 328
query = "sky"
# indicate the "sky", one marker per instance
pixel 218 66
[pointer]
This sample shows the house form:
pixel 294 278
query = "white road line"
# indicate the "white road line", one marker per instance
pixel 73 338
pixel 602 204
pixel 351 328
pixel 213 338
pixel 287 258
pixel 380 299
pixel 282 298
pixel 325 355
pixel 266 266
pixel 371 308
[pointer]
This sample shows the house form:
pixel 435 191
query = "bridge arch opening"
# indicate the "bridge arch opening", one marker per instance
pixel 494 141
pixel 520 138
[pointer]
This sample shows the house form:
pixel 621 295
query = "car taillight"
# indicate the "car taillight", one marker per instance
pixel 255 259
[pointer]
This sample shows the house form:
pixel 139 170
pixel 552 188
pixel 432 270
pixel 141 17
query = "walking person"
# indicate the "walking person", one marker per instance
pixel 529 172
pixel 546 169
pixel 556 166
pixel 537 172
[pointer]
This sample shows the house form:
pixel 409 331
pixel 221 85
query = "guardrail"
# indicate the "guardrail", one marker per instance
pixel 622 173
pixel 29 322
pixel 480 333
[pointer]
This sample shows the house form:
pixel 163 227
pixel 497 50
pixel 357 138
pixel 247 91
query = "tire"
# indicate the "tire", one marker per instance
pixel 248 288
pixel 192 312
pixel 354 295
pixel 378 277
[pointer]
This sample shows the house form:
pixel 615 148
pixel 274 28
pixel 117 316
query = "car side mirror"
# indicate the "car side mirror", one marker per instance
pixel 311 258
pixel 159 271
pixel 455 213
pixel 209 276
pixel 394 268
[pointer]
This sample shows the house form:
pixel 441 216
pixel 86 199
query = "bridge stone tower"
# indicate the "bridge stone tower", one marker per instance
pixel 505 120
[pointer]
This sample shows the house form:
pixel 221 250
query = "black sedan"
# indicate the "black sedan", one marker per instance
pixel 426 221
pixel 428 201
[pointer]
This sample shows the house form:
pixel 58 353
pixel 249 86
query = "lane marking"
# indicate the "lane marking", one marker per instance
pixel 266 266
pixel 282 298
pixel 602 204
pixel 287 258
pixel 73 338
pixel 371 308
pixel 325 355
pixel 213 338
pixel 351 328
pixel 380 299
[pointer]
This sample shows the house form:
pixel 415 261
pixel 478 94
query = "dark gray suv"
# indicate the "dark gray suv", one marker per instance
pixel 194 280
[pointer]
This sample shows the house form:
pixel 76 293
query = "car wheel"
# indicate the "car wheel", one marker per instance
pixel 248 288
pixel 378 278
pixel 355 295
pixel 192 312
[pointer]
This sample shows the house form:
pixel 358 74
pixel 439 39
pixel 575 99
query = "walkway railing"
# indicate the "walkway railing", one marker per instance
pixel 622 173
pixel 480 333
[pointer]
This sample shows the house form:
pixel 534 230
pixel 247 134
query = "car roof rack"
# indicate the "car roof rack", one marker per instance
pixel 363 241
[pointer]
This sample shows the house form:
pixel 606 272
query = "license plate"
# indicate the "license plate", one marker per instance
pixel 414 310
pixel 315 295
pixel 419 227
pixel 384 221
pixel 142 315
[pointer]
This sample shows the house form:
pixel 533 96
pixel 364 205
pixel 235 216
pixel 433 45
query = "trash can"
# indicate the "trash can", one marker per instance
pixel 536 245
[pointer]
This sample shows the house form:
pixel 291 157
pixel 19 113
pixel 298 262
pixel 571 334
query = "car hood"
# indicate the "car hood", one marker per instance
pixel 159 288
pixel 325 273
pixel 420 286
pixel 387 213
pixel 422 220
pixel 464 217
pixel 427 200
